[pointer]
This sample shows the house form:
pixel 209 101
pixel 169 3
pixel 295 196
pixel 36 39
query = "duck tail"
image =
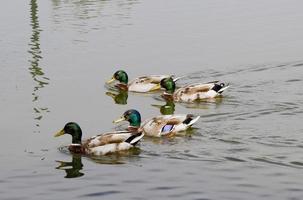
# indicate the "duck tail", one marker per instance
pixel 134 139
pixel 223 88
pixel 190 120
pixel 175 79
pixel 220 87
pixel 194 121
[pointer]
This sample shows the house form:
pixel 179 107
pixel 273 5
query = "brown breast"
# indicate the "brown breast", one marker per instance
pixel 121 86
pixel 79 149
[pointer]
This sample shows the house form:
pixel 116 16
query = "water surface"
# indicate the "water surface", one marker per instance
pixel 56 56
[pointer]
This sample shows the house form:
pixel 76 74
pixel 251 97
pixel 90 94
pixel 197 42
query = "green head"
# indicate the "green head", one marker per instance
pixel 132 116
pixel 72 129
pixel 121 76
pixel 168 84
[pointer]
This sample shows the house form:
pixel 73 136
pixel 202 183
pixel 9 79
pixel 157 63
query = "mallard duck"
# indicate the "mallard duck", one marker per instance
pixel 100 144
pixel 191 93
pixel 164 125
pixel 141 84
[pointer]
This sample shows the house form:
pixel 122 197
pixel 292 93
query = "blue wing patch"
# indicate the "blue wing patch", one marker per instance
pixel 167 128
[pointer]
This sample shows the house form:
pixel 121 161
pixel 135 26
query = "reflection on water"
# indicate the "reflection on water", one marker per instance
pixel 85 15
pixel 73 168
pixel 116 158
pixel 35 69
pixel 167 109
pixel 205 103
pixel 118 97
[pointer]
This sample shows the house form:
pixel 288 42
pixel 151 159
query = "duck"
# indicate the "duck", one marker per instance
pixel 141 84
pixel 162 125
pixel 191 93
pixel 99 145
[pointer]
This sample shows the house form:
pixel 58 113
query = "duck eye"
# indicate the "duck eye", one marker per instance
pixel 222 84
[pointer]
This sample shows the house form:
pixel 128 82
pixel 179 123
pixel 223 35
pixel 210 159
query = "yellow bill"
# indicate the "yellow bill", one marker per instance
pixel 122 118
pixel 59 133
pixel 111 80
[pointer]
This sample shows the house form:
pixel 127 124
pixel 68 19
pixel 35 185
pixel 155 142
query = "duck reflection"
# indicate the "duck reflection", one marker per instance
pixel 119 97
pixel 36 55
pixel 167 109
pixel 205 103
pixel 117 158
pixel 72 169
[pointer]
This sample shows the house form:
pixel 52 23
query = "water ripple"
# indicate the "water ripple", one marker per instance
pixel 294 80
pixel 298 65
pixel 106 193
pixel 165 188
pixel 270 161
pixel 234 159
